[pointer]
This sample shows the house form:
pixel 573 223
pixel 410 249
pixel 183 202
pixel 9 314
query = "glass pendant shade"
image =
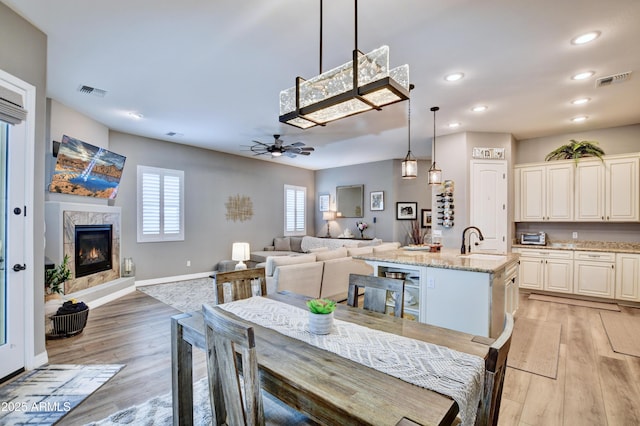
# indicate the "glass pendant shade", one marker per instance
pixel 435 175
pixel 341 92
pixel 409 167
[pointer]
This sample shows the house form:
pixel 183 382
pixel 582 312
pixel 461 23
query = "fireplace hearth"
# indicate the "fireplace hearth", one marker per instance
pixel 93 249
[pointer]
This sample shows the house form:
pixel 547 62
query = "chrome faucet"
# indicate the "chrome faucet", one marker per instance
pixel 463 249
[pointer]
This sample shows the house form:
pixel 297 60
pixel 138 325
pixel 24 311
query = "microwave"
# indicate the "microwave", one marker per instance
pixel 533 238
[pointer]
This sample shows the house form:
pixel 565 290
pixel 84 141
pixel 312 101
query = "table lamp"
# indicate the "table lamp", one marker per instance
pixel 240 252
pixel 327 216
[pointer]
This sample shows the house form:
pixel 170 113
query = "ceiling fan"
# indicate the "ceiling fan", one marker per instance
pixel 278 148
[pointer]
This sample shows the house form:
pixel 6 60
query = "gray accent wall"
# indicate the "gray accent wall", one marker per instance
pixel 23 54
pixel 210 179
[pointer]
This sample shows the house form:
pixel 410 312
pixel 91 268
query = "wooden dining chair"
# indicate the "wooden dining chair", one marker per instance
pixel 234 381
pixel 495 368
pixel 240 284
pixel 375 293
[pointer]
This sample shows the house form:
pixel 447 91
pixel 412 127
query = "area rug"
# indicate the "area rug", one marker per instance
pixel 575 302
pixel 158 411
pixel 185 296
pixel 44 395
pixel 535 347
pixel 623 331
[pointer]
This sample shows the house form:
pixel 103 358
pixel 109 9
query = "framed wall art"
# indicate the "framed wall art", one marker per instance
pixel 406 210
pixel 426 218
pixel 323 202
pixel 377 200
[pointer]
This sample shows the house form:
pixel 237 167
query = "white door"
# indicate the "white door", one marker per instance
pixel 489 205
pixel 16 239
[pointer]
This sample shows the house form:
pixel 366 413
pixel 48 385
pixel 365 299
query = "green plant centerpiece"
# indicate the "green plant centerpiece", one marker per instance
pixel 55 278
pixel 321 315
pixel 576 150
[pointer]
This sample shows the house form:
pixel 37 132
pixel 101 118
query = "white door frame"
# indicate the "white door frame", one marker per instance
pixel 26 164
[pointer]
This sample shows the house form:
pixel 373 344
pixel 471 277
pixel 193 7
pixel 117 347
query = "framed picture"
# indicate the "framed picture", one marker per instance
pixel 323 202
pixel 377 200
pixel 426 218
pixel 406 210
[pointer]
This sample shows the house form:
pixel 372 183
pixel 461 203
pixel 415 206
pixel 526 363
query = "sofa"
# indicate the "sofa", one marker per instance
pixel 320 273
pixel 286 246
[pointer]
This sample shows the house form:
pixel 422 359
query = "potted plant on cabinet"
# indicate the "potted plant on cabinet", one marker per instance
pixel 321 315
pixel 576 150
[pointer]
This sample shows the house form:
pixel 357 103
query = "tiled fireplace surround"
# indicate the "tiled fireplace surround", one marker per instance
pixel 64 217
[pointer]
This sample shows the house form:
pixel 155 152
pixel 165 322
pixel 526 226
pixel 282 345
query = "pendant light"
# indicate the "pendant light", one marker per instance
pixel 410 163
pixel 435 174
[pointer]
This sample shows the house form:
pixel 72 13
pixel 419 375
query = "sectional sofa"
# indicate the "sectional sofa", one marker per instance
pixel 322 272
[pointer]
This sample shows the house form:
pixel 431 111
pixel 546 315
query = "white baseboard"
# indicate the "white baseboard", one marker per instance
pixel 113 296
pixel 175 278
pixel 40 359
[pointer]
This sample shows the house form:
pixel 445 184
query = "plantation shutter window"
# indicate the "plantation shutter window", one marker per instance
pixel 160 204
pixel 294 208
pixel 11 106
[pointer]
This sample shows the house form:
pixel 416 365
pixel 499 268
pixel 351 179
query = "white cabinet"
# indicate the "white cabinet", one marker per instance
pixel 608 190
pixel 550 270
pixel 511 289
pixel 415 281
pixel 545 192
pixel 628 277
pixel 594 273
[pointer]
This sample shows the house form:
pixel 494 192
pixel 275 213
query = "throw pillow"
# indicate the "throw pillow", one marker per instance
pixel 282 244
pixel 356 251
pixel 296 244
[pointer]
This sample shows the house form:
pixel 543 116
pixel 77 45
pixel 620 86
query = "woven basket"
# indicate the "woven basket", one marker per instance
pixel 68 324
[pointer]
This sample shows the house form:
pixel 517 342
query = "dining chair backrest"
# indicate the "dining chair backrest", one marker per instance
pixel 229 404
pixel 375 292
pixel 495 368
pixel 240 284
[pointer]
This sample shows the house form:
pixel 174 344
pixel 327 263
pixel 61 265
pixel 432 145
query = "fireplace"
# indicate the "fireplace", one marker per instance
pixel 92 249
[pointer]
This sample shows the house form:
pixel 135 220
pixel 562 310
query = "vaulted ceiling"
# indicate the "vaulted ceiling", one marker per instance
pixel 211 71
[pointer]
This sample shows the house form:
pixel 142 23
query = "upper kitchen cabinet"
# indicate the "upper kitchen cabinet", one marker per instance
pixel 608 190
pixel 545 192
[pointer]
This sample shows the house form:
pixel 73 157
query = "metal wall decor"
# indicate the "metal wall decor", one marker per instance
pixel 239 207
pixel 488 153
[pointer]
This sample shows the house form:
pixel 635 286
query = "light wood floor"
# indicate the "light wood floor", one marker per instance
pixel 595 386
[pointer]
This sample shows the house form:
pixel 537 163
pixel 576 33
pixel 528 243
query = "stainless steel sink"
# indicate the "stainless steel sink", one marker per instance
pixel 483 256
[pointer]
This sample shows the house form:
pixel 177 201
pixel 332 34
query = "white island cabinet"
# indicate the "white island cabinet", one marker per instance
pixel 454 291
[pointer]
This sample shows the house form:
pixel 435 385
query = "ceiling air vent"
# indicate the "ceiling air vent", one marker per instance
pixel 92 91
pixel 613 79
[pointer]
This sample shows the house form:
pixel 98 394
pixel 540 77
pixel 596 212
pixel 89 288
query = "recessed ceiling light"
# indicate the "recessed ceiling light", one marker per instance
pixel 479 108
pixel 586 38
pixel 579 119
pixel 136 115
pixel 454 125
pixel 583 75
pixel 454 76
pixel 580 101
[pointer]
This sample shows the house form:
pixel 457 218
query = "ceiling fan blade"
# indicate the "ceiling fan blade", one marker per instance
pixel 290 154
pixel 297 144
pixel 304 153
pixel 261 143
pixel 308 148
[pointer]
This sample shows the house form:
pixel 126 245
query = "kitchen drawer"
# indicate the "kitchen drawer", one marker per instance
pixel 595 256
pixel 547 254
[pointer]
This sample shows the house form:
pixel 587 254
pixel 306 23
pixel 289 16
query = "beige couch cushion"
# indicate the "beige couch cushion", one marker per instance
pixel 318 249
pixel 385 247
pixel 275 261
pixel 303 278
pixel 358 251
pixel 296 244
pixel 335 277
pixel 331 254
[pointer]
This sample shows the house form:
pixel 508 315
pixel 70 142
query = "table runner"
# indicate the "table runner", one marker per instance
pixel 438 368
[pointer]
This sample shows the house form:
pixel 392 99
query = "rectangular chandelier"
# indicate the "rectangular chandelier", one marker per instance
pixel 341 92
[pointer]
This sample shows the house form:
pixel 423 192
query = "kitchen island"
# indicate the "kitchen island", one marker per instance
pixel 468 293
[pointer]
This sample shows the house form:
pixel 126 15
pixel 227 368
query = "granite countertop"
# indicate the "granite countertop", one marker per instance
pixel 445 259
pixel 611 247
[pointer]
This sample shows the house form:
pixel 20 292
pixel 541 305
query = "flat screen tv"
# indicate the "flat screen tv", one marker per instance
pixel 85 169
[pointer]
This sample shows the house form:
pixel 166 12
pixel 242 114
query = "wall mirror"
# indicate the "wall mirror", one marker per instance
pixel 349 200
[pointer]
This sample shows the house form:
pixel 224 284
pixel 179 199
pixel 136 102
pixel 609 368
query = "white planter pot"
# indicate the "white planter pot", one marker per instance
pixel 320 323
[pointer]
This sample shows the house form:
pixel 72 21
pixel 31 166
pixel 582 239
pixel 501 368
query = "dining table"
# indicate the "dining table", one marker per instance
pixel 328 387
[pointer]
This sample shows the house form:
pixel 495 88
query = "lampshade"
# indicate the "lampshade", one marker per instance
pixel 409 164
pixel 329 215
pixel 363 84
pixel 240 252
pixel 435 174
